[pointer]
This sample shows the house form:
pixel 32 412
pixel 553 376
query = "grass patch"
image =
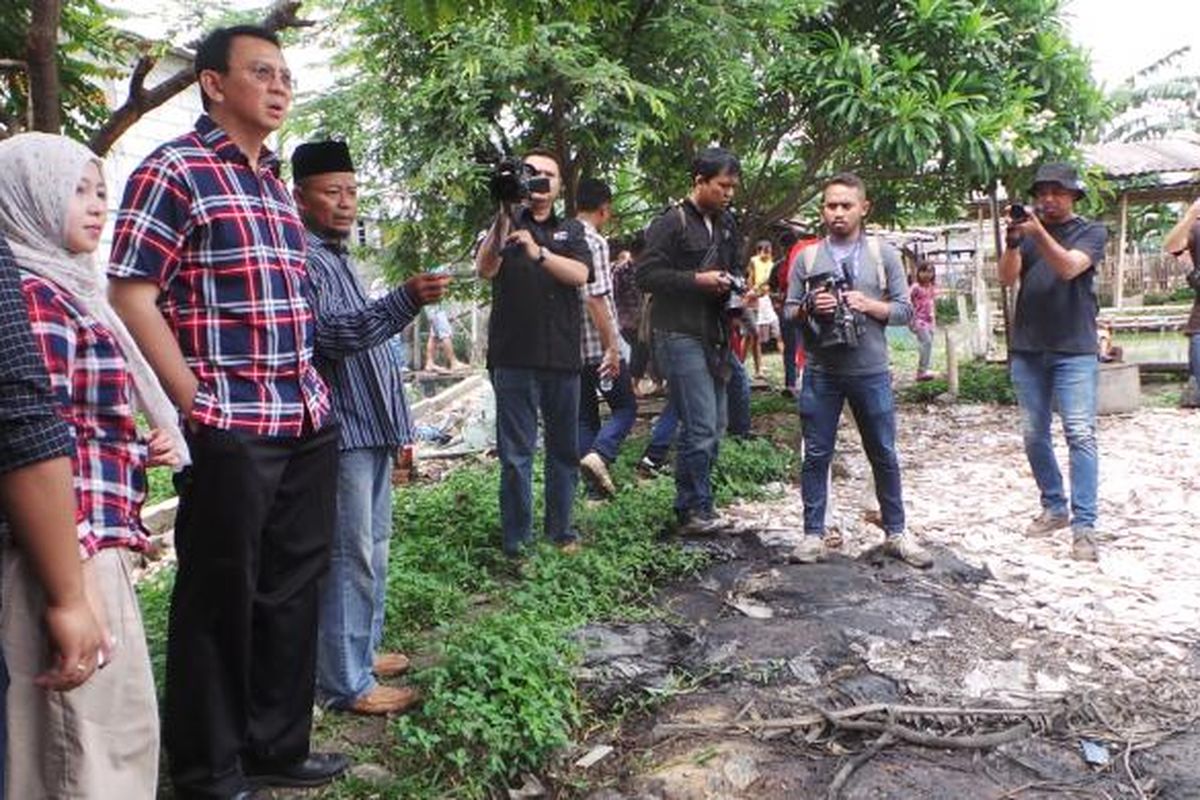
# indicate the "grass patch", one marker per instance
pixel 978 382
pixel 159 485
pixel 500 698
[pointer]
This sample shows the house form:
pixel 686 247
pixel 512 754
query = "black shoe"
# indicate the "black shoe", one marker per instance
pixel 316 770
pixel 649 467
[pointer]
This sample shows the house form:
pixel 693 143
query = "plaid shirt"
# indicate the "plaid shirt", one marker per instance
pixel 91 383
pixel 30 429
pixel 226 247
pixel 591 348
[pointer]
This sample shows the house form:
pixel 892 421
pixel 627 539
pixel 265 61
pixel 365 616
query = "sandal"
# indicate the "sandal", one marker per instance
pixel 832 539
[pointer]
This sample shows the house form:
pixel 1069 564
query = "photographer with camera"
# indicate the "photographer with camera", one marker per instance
pixel 1183 239
pixel 537 264
pixel 1055 253
pixel 844 292
pixel 691 250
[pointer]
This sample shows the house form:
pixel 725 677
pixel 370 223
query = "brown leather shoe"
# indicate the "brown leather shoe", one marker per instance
pixel 386 700
pixel 389 665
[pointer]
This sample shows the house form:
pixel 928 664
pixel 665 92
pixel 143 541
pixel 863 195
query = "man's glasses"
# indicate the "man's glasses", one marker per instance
pixel 266 75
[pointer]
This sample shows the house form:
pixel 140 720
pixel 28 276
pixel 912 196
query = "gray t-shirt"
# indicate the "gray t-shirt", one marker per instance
pixel 871 355
pixel 1054 315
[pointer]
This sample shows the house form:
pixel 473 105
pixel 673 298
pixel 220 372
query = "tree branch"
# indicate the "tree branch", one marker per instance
pixel 283 15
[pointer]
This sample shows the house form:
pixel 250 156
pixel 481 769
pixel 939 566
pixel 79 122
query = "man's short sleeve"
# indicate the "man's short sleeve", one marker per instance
pixel 570 241
pixel 153 224
pixel 1091 243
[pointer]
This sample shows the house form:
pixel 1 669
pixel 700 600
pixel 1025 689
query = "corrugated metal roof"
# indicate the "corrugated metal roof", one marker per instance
pixel 1127 159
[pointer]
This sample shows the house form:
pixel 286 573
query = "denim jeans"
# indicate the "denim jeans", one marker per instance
pixel 663 433
pixel 521 393
pixel 738 398
pixel 352 593
pixel 605 438
pixel 789 331
pixel 1069 382
pixel 1194 358
pixel 700 400
pixel 822 396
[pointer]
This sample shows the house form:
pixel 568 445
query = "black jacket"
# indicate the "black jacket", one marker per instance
pixel 677 242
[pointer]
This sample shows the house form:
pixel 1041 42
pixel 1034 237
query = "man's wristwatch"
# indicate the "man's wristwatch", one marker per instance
pixel 541 259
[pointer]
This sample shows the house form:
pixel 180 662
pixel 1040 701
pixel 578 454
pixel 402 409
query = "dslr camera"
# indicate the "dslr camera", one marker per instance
pixel 737 288
pixel 846 327
pixel 513 181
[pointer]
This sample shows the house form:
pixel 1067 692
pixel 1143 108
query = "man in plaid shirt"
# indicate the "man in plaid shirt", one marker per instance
pixel 605 361
pixel 208 269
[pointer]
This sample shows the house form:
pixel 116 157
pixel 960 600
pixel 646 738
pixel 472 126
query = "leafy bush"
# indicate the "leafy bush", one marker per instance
pixel 978 382
pixel 1180 294
pixel 946 311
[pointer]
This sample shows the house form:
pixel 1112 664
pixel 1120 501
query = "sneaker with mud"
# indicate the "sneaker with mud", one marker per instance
pixel 903 547
pixel 595 471
pixel 1083 545
pixel 810 550
pixel 700 523
pixel 1047 522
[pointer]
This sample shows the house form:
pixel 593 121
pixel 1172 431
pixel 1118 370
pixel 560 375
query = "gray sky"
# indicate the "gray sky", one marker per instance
pixel 1125 35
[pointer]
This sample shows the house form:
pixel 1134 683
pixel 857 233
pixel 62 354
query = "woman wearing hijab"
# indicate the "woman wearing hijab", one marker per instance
pixel 100 740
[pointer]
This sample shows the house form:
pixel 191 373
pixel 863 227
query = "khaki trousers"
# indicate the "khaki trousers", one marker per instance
pixel 99 741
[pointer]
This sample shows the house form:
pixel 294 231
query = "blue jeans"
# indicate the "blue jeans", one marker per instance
pixel 737 393
pixel 789 331
pixel 822 396
pixel 352 593
pixel 1194 357
pixel 738 398
pixel 605 438
pixel 521 393
pixel 1069 382
pixel 700 400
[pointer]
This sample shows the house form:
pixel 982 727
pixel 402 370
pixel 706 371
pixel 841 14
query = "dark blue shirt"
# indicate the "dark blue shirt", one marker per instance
pixel 1054 315
pixel 353 354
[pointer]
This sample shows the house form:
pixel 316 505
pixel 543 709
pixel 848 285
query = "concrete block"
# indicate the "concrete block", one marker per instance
pixel 1120 389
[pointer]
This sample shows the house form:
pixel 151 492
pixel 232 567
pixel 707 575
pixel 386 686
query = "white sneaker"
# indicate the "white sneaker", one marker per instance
pixel 905 548
pixel 810 550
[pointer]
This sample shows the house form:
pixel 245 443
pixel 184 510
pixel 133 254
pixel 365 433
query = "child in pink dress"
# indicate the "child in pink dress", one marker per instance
pixel 923 294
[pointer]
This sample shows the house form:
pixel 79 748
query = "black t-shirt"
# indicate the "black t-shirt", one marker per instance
pixel 676 246
pixel 535 320
pixel 1054 315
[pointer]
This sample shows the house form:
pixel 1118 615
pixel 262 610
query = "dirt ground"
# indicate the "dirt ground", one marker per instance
pixel 1005 637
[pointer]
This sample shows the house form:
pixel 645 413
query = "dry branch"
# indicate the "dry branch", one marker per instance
pixel 283 15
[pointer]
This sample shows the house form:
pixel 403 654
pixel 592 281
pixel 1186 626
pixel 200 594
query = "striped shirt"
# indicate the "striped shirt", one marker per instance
pixel 225 245
pixel 30 428
pixel 353 352
pixel 91 382
pixel 591 346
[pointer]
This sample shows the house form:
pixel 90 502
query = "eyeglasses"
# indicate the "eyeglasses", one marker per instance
pixel 266 75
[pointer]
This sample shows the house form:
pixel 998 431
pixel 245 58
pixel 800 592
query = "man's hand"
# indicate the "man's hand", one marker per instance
pixel 1016 230
pixel 76 640
pixel 610 365
pixel 822 303
pixel 713 281
pixel 526 240
pixel 428 287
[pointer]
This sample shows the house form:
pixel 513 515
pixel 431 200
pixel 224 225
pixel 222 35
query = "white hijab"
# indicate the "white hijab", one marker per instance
pixel 38 176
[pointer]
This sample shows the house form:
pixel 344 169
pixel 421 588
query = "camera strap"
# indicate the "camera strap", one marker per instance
pixel 874 250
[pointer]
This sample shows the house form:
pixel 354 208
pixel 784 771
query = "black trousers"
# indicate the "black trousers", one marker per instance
pixel 252 535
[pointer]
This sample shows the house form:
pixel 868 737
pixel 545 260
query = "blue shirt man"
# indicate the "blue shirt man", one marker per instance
pixel 352 353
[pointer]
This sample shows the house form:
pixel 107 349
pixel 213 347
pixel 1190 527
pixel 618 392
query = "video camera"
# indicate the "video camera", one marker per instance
pixel 513 181
pixel 846 327
pixel 737 287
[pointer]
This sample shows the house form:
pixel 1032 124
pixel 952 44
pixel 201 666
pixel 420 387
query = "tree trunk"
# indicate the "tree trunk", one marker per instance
pixel 44 89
